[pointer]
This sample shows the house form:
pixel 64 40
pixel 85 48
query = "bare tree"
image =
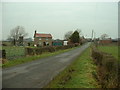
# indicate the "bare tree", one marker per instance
pixel 104 36
pixel 16 33
pixel 68 35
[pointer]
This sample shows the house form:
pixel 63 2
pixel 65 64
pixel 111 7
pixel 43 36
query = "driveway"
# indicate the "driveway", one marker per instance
pixel 37 74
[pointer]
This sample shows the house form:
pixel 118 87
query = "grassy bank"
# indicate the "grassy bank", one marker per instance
pixel 21 60
pixel 113 49
pixel 77 75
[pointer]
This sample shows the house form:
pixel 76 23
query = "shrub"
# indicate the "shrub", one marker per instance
pixel 29 51
pixel 109 63
pixel 51 49
pixel 4 44
pixel 97 56
pixel 40 50
pixel 59 48
pixel 77 44
pixel 107 68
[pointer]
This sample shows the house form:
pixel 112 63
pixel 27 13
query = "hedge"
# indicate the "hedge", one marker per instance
pixel 107 68
pixel 40 50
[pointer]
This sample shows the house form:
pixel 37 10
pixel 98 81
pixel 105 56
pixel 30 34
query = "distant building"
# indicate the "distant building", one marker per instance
pixel 57 42
pixel 105 41
pixel 115 40
pixel 65 42
pixel 28 42
pixel 42 39
pixel 88 39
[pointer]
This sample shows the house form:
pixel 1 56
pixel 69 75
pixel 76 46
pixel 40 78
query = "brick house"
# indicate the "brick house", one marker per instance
pixel 106 41
pixel 42 39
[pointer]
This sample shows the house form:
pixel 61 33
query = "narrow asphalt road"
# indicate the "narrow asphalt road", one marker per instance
pixel 37 74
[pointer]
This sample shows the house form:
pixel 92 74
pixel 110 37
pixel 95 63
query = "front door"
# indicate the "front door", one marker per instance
pixel 44 43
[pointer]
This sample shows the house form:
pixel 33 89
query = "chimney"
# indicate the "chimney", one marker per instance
pixel 35 33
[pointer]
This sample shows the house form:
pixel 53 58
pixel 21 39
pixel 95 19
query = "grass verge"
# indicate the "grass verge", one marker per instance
pixel 21 60
pixel 77 75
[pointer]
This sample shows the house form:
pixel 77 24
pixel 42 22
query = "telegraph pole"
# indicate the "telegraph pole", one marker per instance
pixel 92 35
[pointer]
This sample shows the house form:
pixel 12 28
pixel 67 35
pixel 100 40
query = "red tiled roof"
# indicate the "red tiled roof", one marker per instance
pixel 43 35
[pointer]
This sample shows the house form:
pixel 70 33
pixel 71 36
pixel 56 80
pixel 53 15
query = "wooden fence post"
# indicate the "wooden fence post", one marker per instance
pixel 0 53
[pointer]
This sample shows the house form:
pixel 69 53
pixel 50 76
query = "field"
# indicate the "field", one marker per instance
pixel 13 52
pixel 77 75
pixel 111 49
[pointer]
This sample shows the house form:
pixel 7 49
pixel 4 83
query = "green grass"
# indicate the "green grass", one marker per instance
pixel 111 49
pixel 14 51
pixel 81 77
pixel 21 60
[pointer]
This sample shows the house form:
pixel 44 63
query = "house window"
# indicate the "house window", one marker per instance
pixel 46 38
pixel 47 43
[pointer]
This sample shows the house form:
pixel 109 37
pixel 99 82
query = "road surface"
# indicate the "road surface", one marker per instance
pixel 37 74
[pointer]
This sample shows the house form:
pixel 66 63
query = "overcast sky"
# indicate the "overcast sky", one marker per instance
pixel 59 18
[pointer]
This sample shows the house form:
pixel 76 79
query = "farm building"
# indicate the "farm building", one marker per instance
pixel 57 42
pixel 65 42
pixel 115 40
pixel 42 39
pixel 28 42
pixel 105 41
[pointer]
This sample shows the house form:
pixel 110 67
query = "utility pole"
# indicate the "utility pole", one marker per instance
pixel 92 35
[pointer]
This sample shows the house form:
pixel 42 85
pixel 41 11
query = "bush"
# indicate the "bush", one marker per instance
pixel 58 48
pixel 51 49
pixel 77 44
pixel 29 51
pixel 4 44
pixel 110 63
pixel 40 50
pixel 107 68
pixel 97 56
